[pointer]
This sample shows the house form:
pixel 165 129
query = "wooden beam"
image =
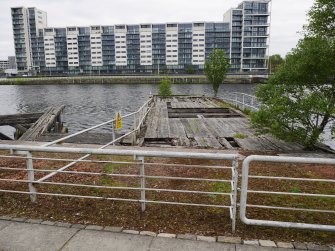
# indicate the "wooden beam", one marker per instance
pixel 4 137
pixel 43 124
pixel 15 119
pixel 20 128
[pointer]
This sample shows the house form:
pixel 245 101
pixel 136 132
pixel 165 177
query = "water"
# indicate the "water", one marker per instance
pixel 88 105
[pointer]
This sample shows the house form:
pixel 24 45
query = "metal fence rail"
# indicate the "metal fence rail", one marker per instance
pixel 139 164
pixel 245 191
pixel 241 100
pixel 138 118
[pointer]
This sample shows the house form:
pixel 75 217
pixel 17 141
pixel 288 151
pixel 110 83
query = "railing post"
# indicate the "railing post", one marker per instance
pixel 135 133
pixel 236 99
pixel 142 174
pixel 113 133
pixel 243 101
pixel 31 177
pixel 235 181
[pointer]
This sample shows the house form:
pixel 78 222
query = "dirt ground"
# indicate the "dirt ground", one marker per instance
pixel 170 218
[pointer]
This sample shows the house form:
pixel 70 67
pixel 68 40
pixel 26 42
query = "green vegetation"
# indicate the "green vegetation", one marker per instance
pixel 275 61
pixel 110 168
pixel 190 70
pixel 240 136
pixel 221 187
pixel 216 68
pixel 165 87
pixel 295 189
pixel 299 99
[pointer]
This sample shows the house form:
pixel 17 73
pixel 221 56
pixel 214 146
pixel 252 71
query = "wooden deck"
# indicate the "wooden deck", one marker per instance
pixel 201 122
pixel 31 126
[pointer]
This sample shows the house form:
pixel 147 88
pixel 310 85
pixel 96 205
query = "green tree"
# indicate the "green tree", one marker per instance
pixel 274 62
pixel 190 70
pixel 322 19
pixel 299 100
pixel 216 68
pixel 165 87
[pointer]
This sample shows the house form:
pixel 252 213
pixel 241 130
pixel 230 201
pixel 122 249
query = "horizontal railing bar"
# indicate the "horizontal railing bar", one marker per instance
pixel 144 153
pixel 118 162
pixel 294 194
pixel 117 199
pixel 185 165
pixel 70 160
pixel 288 178
pixel 119 175
pixel 117 188
pixel 292 208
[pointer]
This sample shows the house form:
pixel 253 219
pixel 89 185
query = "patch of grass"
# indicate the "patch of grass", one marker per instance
pixel 108 181
pixel 240 136
pixel 295 189
pixel 221 187
pixel 111 167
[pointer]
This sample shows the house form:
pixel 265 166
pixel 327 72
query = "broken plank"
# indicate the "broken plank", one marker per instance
pixel 43 124
pixel 14 119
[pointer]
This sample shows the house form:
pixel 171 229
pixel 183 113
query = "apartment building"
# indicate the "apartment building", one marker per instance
pixel 142 48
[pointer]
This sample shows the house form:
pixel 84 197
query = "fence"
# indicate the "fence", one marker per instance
pixel 245 191
pixel 143 160
pixel 138 119
pixel 241 100
pixel 139 163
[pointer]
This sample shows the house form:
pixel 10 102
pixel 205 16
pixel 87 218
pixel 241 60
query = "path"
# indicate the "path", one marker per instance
pixel 26 236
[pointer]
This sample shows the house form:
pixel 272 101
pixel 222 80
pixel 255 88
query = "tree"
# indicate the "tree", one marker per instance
pixel 322 19
pixel 299 100
pixel 216 68
pixel 165 87
pixel 274 62
pixel 190 70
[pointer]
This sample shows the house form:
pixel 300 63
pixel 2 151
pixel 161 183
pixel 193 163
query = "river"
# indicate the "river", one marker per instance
pixel 91 104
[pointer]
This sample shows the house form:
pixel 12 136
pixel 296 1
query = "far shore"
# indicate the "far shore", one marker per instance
pixel 132 79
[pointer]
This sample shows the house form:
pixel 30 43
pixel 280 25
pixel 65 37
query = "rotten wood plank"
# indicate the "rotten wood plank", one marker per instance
pixel 14 119
pixel 43 124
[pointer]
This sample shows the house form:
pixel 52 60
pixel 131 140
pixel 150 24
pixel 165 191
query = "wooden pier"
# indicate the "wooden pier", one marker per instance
pixel 31 126
pixel 202 122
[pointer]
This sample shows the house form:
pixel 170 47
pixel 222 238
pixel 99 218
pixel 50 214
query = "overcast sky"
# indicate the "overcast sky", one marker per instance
pixel 288 16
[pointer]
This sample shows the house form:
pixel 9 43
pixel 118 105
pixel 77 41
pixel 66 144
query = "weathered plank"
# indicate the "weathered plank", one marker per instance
pixel 14 119
pixel 43 124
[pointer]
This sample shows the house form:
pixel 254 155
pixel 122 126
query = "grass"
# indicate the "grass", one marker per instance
pixel 175 219
pixel 295 189
pixel 240 136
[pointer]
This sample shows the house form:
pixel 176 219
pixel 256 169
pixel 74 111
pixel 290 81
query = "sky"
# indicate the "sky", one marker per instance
pixel 288 16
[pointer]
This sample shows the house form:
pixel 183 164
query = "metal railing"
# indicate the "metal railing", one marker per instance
pixel 241 100
pixel 140 165
pixel 138 118
pixel 245 191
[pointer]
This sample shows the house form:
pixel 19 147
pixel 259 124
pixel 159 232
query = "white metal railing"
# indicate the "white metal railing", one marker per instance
pixel 138 118
pixel 241 100
pixel 36 187
pixel 245 191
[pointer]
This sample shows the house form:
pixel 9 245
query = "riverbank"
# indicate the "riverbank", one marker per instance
pixel 186 79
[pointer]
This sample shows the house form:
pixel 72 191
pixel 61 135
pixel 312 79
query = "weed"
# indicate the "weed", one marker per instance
pixel 240 136
pixel 295 189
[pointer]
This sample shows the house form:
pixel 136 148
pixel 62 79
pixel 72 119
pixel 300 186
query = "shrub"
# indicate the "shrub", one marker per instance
pixel 165 87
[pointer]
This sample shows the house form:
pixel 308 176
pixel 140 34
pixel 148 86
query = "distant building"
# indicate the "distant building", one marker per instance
pixel 142 48
pixel 3 64
pixel 12 62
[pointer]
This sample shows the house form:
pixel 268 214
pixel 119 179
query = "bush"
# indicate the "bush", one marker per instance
pixel 165 87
